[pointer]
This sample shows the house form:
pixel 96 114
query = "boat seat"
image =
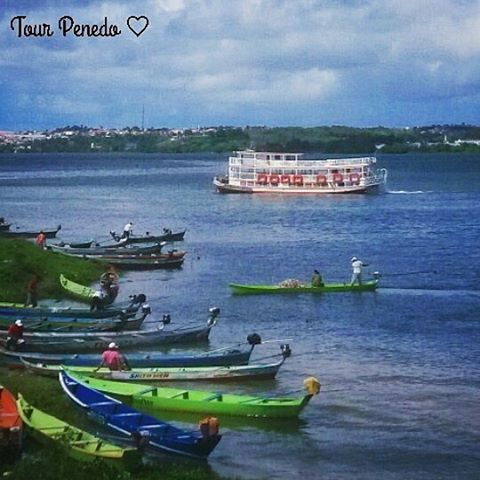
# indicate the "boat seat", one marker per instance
pixel 215 396
pixel 130 414
pixel 183 394
pixel 149 389
pixel 99 404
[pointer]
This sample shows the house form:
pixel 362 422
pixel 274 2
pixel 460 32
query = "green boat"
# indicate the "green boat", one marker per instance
pixel 211 403
pixel 80 292
pixel 297 287
pixel 77 443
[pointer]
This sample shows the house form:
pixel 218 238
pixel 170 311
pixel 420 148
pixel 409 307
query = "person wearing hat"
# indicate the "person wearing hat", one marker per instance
pixel 357 266
pixel 113 359
pixel 317 280
pixel 15 335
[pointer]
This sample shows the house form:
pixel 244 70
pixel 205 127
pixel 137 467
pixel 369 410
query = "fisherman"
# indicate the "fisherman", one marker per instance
pixel 127 230
pixel 113 359
pixel 109 282
pixel 357 266
pixel 32 292
pixel 317 280
pixel 14 335
pixel 41 239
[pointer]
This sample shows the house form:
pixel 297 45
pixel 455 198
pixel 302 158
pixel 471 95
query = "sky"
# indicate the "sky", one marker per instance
pixel 359 63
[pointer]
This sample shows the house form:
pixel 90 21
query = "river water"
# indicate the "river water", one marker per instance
pixel 400 368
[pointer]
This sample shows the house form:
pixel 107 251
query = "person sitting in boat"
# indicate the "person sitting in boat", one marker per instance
pixel 41 239
pixel 127 230
pixel 317 280
pixel 98 300
pixel 113 359
pixel 109 282
pixel 14 335
pixel 357 266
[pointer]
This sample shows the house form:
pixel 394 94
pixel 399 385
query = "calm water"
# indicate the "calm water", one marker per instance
pixel 400 368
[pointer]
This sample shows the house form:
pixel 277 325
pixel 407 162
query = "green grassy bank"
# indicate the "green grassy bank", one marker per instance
pixel 21 259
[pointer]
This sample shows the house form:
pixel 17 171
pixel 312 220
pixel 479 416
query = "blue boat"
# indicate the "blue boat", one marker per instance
pixel 234 355
pixel 143 429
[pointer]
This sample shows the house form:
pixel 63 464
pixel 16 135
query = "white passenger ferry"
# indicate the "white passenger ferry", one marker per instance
pixel 270 172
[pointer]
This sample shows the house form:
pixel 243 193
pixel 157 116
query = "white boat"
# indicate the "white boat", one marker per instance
pixel 271 172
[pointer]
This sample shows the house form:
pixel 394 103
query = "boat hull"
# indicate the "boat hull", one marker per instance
pixel 127 421
pixel 239 289
pixel 197 401
pixel 49 233
pixel 76 443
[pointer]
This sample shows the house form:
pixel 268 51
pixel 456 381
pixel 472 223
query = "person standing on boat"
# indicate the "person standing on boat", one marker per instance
pixel 127 230
pixel 109 283
pixel 32 292
pixel 357 266
pixel 317 280
pixel 14 335
pixel 41 239
pixel 113 359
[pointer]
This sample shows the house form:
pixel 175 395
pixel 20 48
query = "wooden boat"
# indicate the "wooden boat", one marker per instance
pixel 98 341
pixel 212 403
pixel 239 289
pixel 11 425
pixel 143 262
pixel 168 236
pixel 129 321
pixel 84 293
pixel 224 356
pixel 121 249
pixel 77 443
pixel 19 310
pixel 49 233
pixel 127 421
pixel 167 374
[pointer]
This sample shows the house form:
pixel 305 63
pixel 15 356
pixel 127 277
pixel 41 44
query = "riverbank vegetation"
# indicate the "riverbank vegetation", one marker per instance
pixel 20 260
pixel 221 139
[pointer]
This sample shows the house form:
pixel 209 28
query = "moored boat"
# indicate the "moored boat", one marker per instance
pixel 238 355
pixel 49 233
pixel 121 249
pixel 167 374
pixel 11 426
pixel 271 172
pixel 167 236
pixel 77 342
pixel 212 403
pixel 143 262
pixel 77 443
pixel 294 286
pixel 85 293
pixel 123 419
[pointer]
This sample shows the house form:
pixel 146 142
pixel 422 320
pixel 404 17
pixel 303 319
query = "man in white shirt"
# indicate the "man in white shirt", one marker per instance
pixel 357 266
pixel 127 230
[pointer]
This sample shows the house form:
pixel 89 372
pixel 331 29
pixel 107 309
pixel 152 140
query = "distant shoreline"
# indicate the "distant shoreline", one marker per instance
pixel 328 140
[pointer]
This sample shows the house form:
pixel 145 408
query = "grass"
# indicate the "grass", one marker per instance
pixel 20 260
pixel 46 394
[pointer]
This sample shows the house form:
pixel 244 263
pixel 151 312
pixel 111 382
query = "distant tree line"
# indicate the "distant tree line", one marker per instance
pixel 333 139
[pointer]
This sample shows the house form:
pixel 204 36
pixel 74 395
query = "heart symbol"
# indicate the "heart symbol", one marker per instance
pixel 137 24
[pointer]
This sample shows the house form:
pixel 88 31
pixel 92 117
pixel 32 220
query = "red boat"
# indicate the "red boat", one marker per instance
pixel 11 425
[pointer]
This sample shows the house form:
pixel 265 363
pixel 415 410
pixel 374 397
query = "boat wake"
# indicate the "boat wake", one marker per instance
pixel 406 192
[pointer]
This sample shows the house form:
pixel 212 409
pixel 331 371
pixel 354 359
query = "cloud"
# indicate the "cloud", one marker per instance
pixel 213 61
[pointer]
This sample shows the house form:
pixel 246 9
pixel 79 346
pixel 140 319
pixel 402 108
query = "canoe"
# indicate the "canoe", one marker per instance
pixel 239 289
pixel 84 293
pixel 77 443
pixel 52 342
pixel 123 419
pixel 167 374
pixel 11 426
pixel 121 249
pixel 197 401
pixel 19 310
pixel 49 233
pixel 227 356
pixel 143 262
pixel 148 238
pixel 129 321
